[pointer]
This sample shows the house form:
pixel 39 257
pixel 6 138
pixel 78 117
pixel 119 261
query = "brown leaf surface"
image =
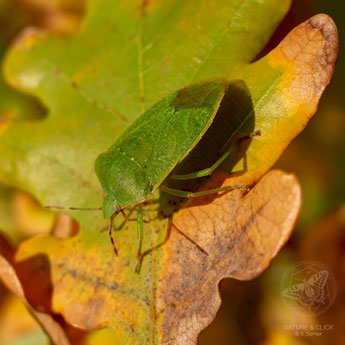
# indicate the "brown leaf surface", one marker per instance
pixel 312 49
pixel 241 235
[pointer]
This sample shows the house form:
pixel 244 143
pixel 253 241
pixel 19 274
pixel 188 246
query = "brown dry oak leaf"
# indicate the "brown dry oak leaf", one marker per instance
pixel 240 235
pixel 10 279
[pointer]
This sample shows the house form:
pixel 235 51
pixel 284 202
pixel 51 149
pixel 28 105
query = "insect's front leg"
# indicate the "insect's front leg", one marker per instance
pixel 128 219
pixel 111 233
pixel 140 222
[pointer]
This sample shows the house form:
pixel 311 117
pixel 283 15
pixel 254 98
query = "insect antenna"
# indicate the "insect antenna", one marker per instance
pixel 93 209
pixel 111 233
pixel 74 208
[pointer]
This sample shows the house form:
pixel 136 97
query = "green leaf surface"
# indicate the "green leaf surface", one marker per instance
pixel 126 57
pixel 94 88
pixel 13 104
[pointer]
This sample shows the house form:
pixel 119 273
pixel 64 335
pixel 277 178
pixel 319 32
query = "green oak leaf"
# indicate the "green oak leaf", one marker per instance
pixel 127 56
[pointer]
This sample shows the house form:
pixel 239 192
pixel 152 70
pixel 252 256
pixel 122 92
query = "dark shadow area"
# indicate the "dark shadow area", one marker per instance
pixel 3 296
pixel 171 227
pixel 235 119
pixel 35 277
pixel 17 106
pixel 5 251
pixel 238 319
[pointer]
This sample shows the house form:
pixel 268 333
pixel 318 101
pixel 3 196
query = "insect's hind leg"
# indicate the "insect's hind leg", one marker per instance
pixel 211 169
pixel 188 195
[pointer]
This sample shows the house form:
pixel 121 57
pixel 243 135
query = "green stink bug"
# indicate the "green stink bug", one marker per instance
pixel 145 155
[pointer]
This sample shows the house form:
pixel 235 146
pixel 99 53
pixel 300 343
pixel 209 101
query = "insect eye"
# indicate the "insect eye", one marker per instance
pixel 117 207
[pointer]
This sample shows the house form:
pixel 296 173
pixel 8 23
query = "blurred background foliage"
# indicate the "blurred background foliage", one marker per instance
pixel 252 312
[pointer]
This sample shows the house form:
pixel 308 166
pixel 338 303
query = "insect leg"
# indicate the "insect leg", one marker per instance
pixel 185 194
pixel 127 219
pixel 210 170
pixel 140 238
pixel 111 233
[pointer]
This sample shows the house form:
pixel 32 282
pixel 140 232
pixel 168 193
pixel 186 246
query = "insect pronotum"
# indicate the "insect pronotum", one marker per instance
pixel 145 155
